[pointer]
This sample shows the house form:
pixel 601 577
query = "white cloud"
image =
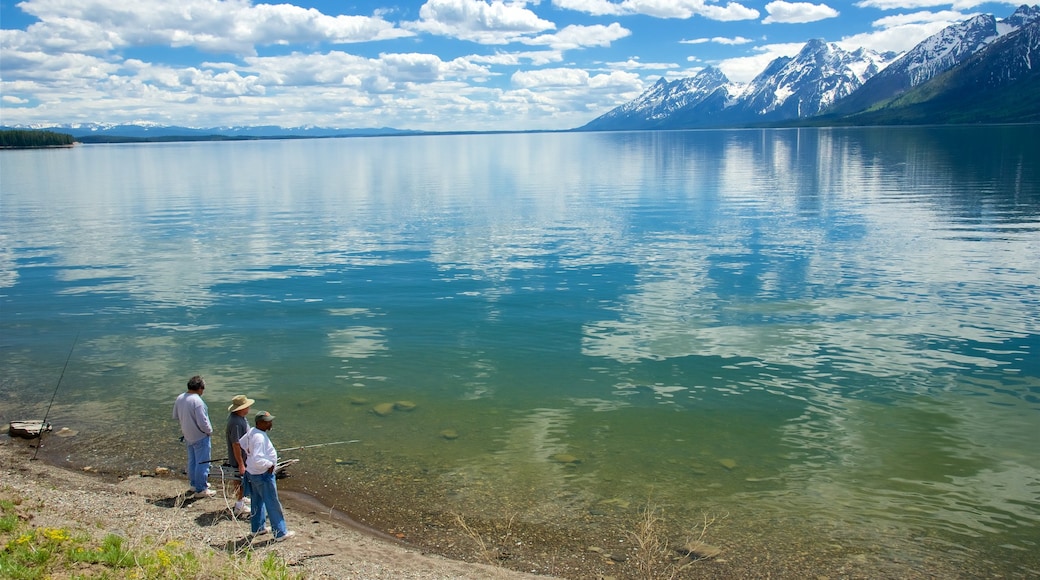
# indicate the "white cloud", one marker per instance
pixel 718 40
pixel 235 26
pixel 797 12
pixel 946 17
pixel 897 38
pixel 554 77
pixel 479 21
pixel 593 7
pixel 576 36
pixel 661 9
pixel 744 69
pixel 535 57
pixel 901 32
pixel 416 67
pixel 912 4
pixel 635 64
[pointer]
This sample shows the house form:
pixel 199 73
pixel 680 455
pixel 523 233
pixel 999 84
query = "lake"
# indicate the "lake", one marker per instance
pixel 813 348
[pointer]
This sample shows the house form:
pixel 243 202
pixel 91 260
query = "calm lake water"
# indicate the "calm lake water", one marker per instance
pixel 826 340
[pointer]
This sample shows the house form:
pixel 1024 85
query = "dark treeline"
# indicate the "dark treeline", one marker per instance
pixel 27 138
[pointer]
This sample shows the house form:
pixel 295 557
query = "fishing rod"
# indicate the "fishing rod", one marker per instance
pixel 319 445
pixel 53 395
pixel 297 448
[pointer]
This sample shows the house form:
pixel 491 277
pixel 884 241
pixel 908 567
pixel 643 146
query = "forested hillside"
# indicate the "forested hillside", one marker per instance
pixel 21 138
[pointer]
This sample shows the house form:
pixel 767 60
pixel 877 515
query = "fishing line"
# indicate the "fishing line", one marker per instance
pixel 53 395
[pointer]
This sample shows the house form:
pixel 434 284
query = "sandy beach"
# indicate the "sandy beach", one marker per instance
pixel 327 545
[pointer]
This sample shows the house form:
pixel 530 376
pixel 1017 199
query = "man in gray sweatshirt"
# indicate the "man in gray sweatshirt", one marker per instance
pixel 192 413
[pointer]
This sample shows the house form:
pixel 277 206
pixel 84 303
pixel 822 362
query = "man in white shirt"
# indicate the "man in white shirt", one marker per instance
pixel 261 461
pixel 193 415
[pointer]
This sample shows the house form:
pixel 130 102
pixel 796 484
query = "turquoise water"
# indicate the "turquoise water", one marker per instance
pixel 836 327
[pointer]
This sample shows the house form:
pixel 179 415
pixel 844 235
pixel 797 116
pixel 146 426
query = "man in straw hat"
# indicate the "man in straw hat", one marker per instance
pixel 261 462
pixel 237 425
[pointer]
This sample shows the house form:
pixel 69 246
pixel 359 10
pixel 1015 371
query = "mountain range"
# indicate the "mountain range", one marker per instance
pixel 979 70
pixel 101 133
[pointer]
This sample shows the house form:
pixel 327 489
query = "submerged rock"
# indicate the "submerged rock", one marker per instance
pixel 66 432
pixel 729 464
pixel 383 409
pixel 404 405
pixel 450 434
pixel 566 459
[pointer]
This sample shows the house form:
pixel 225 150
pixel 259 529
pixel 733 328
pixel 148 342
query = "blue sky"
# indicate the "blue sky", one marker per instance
pixel 439 65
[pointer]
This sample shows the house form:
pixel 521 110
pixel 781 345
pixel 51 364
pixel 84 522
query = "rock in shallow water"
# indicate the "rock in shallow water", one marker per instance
pixel 383 409
pixel 566 459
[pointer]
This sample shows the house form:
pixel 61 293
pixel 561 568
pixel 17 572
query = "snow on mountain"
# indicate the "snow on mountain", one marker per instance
pixel 789 87
pixel 820 74
pixel 821 77
pixel 936 54
pixel 705 93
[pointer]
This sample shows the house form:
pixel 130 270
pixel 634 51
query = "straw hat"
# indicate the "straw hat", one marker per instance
pixel 240 402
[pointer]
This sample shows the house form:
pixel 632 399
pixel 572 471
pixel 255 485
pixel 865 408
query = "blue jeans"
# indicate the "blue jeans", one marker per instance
pixel 243 480
pixel 198 463
pixel 264 492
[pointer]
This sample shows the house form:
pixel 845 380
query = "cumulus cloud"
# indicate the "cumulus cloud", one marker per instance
pixel 534 57
pixel 897 39
pixel 744 69
pixel 576 36
pixel 636 64
pixel 569 77
pixel 797 12
pixel 718 40
pixel 945 17
pixel 682 9
pixel 235 26
pixel 479 21
pixel 913 4
pixel 384 74
pixel 901 32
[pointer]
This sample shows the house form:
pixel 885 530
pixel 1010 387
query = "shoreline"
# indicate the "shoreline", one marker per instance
pixel 328 544
pixel 385 532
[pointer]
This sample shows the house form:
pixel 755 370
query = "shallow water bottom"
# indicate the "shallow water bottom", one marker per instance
pixel 573 533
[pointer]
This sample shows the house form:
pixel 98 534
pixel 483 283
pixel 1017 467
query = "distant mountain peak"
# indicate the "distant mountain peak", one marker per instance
pixel 936 54
pixel 825 77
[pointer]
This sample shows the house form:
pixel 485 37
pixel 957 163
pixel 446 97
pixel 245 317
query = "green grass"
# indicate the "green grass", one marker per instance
pixel 31 553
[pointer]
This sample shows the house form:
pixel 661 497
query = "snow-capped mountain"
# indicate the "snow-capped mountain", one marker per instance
pixel 814 79
pixel 702 95
pixel 938 53
pixel 790 87
pixel 998 84
pixel 822 77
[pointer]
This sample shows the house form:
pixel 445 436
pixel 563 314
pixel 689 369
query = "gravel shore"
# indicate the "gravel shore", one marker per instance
pixel 327 545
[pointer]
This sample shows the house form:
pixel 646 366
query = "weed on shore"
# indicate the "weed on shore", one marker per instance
pixel 31 553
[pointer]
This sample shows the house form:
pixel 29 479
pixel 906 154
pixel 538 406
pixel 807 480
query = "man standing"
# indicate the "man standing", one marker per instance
pixel 237 425
pixel 261 460
pixel 192 413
